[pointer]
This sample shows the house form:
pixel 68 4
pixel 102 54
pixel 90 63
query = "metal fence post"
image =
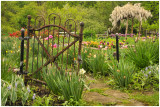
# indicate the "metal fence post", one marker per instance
pixel 80 44
pixel 117 47
pixel 22 51
pixel 28 33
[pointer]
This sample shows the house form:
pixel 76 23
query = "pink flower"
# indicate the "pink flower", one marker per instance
pixel 55 45
pixel 46 38
pixel 50 36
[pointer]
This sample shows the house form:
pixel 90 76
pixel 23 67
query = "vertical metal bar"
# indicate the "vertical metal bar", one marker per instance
pixel 53 36
pixel 62 48
pixel 117 47
pixel 58 41
pixel 38 44
pixel 68 44
pixel 47 47
pixel 80 44
pixel 22 51
pixel 74 48
pixel 43 44
pixel 27 55
pixel 33 56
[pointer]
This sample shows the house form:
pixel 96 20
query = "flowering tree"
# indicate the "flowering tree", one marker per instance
pixel 126 12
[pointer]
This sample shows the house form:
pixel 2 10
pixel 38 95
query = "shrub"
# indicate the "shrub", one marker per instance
pixel 89 33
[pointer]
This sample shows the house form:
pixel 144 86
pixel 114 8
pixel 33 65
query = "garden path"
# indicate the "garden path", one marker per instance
pixel 101 94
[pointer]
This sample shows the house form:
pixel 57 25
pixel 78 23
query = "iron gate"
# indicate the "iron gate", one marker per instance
pixel 51 45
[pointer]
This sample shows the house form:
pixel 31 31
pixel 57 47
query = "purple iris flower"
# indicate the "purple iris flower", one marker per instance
pixel 146 75
pixel 16 85
pixel 9 87
pixel 146 68
pixel 34 96
pixel 149 72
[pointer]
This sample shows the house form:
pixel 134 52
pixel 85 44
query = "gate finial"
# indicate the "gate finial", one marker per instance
pixel 29 16
pixel 81 24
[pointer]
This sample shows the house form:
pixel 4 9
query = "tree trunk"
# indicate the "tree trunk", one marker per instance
pixel 139 28
pixel 126 26
pixel 132 25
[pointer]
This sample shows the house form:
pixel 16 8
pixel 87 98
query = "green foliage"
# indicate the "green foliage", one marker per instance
pixel 5 47
pixel 43 101
pixel 94 14
pixel 84 55
pixel 144 54
pixel 152 100
pixel 72 102
pixel 62 83
pixel 97 63
pixel 122 72
pixel 5 73
pixel 146 78
pixel 89 33
pixel 14 91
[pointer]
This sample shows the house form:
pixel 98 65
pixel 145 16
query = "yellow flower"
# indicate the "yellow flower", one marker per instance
pixel 18 46
pixel 6 51
pixel 74 59
pixel 94 56
pixel 11 51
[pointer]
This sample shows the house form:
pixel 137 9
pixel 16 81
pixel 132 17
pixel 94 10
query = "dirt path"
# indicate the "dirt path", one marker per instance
pixel 101 94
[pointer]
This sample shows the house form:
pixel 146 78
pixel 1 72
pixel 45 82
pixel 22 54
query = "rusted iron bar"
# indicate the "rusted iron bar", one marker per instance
pixel 68 44
pixel 49 56
pixel 42 46
pixel 80 44
pixel 62 48
pixel 76 36
pixel 56 15
pixel 22 51
pixel 117 47
pixel 36 80
pixel 53 59
pixel 33 56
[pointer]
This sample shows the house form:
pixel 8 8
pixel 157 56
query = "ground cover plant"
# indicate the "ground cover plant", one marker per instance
pixel 101 80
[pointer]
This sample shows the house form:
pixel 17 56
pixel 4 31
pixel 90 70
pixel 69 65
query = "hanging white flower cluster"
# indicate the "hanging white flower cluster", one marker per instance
pixel 128 11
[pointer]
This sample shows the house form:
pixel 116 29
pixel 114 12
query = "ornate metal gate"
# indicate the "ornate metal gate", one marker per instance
pixel 52 45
